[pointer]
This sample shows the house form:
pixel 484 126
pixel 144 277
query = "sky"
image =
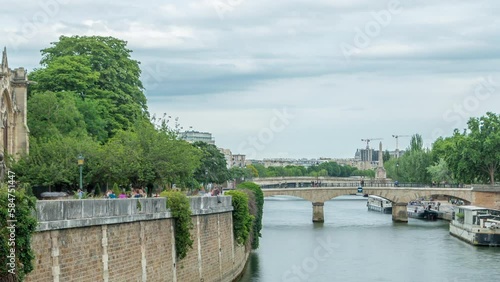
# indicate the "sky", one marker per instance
pixel 291 78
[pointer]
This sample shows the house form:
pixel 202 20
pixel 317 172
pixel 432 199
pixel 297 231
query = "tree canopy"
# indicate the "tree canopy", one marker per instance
pixel 88 100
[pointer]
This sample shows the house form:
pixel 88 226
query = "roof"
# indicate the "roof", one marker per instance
pixel 377 197
pixel 472 208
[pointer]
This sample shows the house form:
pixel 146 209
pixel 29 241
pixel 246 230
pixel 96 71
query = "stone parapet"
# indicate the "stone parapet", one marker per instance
pixel 209 205
pixel 62 214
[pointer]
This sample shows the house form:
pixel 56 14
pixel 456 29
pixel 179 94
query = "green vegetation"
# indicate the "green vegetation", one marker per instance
pixel 471 156
pixel 88 99
pixel 179 206
pixel 259 202
pixel 331 169
pixel 242 219
pixel 213 168
pixel 19 208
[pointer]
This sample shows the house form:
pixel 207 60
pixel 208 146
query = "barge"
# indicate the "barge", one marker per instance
pixel 379 204
pixel 477 226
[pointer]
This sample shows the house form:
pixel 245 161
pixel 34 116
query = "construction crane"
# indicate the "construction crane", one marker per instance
pixel 397 138
pixel 367 140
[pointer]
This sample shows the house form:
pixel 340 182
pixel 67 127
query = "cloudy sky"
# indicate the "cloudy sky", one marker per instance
pixel 291 78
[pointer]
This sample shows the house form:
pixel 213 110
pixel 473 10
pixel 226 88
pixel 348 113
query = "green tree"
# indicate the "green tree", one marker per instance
pixel 439 171
pixel 213 167
pixel 98 68
pixel 483 145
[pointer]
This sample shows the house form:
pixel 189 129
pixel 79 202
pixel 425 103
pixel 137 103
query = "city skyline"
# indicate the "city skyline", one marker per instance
pixel 291 79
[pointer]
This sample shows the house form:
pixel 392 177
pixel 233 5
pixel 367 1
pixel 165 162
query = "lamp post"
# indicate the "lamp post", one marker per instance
pixel 81 160
pixel 397 171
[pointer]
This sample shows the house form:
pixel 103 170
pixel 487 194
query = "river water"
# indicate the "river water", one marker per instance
pixel 354 244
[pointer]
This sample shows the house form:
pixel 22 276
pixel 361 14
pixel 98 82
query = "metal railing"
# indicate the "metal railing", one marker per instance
pixel 366 185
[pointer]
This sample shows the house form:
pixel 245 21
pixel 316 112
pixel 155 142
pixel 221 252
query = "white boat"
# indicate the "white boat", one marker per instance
pixel 376 203
pixel 476 225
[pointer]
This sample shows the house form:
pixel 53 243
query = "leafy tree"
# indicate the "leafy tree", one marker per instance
pixel 55 114
pixel 483 145
pixel 439 172
pixel 98 68
pixel 213 168
pixel 65 73
pixel 53 162
pixel 416 143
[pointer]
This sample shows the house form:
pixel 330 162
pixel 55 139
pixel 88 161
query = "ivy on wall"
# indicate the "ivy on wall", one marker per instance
pixel 16 228
pixel 179 206
pixel 242 219
pixel 259 202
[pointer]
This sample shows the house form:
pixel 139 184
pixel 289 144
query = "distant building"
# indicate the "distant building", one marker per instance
pixel 228 156
pixel 192 136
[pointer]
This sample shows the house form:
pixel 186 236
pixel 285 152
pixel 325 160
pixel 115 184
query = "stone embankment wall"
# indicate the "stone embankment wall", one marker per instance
pixel 133 240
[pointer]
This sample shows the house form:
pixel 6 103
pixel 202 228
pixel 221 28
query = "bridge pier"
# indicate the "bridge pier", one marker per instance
pixel 318 215
pixel 399 212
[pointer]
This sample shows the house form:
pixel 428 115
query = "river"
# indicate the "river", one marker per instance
pixel 354 244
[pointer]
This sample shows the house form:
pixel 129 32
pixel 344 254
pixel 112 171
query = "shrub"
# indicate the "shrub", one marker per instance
pixel 179 206
pixel 259 202
pixel 20 208
pixel 242 219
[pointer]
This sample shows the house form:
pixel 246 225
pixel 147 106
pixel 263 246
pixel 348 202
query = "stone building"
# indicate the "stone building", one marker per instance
pixel 14 128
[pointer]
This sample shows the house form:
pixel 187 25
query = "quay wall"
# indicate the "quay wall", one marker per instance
pixel 133 240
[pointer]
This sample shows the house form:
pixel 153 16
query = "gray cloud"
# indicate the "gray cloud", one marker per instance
pixel 225 75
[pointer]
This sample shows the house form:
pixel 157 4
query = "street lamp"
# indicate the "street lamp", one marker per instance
pixel 81 160
pixel 397 171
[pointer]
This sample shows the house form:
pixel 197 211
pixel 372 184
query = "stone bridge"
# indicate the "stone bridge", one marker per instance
pixel 399 196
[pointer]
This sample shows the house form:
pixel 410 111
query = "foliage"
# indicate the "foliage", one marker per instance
pixel 241 173
pixel 23 206
pixel 473 156
pixel 259 202
pixel 242 219
pixel 439 171
pixel 483 145
pixel 96 68
pixel 412 166
pixel 116 190
pixel 387 156
pixel 179 206
pixel 330 168
pixel 54 161
pixel 213 168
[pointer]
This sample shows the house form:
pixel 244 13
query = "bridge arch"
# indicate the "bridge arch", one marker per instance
pixel 399 196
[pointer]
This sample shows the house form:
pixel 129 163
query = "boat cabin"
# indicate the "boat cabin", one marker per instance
pixel 478 216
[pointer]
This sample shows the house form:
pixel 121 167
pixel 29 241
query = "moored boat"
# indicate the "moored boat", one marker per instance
pixel 477 225
pixel 419 211
pixel 379 204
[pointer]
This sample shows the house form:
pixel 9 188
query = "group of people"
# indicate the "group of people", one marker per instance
pixel 214 192
pixel 135 193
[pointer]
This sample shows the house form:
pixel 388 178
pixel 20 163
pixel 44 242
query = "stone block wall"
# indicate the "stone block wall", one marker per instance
pixel 487 199
pixel 114 240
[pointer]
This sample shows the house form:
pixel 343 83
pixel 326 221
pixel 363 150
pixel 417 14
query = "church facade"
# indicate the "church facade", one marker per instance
pixel 13 108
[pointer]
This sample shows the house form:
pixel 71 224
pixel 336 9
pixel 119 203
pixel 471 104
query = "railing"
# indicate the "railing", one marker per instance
pixel 366 185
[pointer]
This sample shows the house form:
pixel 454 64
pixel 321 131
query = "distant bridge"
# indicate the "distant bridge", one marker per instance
pixel 399 196
pixel 308 181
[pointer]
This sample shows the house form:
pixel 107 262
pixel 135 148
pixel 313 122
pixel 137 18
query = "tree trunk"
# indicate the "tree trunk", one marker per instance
pixel 492 175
